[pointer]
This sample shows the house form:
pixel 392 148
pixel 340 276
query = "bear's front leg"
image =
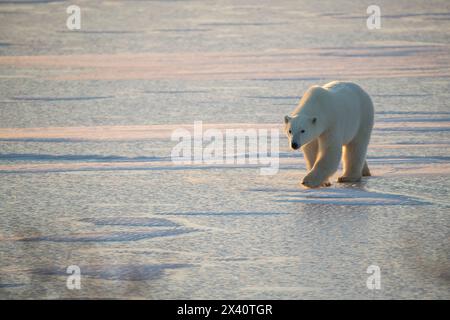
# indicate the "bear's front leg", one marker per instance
pixel 325 166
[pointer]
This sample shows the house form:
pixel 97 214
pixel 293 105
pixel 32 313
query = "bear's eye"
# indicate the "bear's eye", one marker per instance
pixel 290 131
pixel 303 131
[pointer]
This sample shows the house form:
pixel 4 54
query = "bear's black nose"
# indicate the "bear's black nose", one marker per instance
pixel 294 145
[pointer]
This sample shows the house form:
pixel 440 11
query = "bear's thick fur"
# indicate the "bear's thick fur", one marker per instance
pixel 331 122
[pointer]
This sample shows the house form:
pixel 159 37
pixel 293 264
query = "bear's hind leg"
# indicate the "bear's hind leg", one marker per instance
pixel 354 162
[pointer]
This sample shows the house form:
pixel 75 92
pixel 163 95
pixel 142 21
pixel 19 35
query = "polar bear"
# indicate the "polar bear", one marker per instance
pixel 330 121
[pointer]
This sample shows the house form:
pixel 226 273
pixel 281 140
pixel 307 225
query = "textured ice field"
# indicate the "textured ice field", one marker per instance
pixel 86 176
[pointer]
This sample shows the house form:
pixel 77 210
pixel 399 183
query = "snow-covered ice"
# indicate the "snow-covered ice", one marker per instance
pixel 87 178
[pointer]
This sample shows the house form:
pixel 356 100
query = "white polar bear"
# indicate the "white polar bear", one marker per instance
pixel 330 121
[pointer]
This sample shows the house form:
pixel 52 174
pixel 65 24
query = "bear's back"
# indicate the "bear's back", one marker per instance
pixel 336 86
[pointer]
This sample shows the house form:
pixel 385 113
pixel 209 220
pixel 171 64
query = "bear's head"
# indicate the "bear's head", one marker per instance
pixel 301 129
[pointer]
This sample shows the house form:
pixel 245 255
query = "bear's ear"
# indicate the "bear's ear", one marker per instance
pixel 314 120
pixel 287 119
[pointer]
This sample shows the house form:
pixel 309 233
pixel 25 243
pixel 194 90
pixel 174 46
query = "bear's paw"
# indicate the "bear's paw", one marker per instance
pixel 310 182
pixel 349 179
